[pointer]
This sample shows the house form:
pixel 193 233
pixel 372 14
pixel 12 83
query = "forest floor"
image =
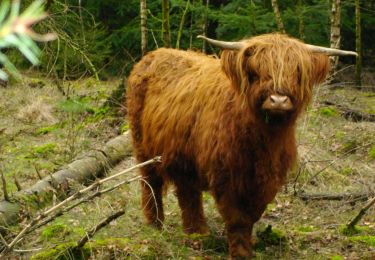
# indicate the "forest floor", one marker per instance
pixel 41 130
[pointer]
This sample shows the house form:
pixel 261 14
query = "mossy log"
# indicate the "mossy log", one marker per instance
pixel 91 166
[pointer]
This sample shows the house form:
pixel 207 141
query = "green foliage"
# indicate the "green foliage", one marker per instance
pixel 233 16
pixel 101 37
pixel 15 32
pixel 82 47
pixel 337 257
pixel 76 106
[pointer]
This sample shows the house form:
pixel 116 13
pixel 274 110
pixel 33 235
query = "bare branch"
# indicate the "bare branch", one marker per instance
pixel 351 224
pixel 18 185
pixel 81 201
pixel 38 173
pixel 76 195
pixel 99 226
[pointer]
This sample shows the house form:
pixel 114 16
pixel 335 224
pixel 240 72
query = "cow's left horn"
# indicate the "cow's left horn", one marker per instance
pixel 222 44
pixel 330 51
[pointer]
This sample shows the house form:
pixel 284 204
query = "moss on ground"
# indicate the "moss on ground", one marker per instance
pixel 367 240
pixel 65 251
pixel 270 236
pixel 306 229
pixel 371 152
pixel 328 111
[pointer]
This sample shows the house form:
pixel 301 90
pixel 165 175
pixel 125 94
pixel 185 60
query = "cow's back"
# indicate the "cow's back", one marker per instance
pixel 171 94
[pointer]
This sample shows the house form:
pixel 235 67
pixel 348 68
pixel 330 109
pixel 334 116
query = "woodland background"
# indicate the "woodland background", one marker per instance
pixel 63 127
pixel 104 36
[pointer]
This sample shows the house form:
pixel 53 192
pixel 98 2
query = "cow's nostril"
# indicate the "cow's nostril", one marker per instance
pixel 278 99
pixel 283 99
pixel 277 103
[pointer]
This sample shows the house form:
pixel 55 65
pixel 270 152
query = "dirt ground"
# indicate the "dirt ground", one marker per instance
pixel 41 130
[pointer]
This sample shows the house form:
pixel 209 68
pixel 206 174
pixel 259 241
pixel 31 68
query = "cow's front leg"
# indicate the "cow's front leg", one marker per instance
pixel 238 225
pixel 239 239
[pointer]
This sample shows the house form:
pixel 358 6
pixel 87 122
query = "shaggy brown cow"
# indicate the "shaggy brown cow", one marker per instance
pixel 224 125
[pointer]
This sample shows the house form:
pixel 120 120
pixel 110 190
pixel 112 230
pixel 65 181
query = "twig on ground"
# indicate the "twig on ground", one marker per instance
pixel 351 224
pixel 3 241
pixel 332 162
pixel 76 195
pixel 99 226
pixel 27 250
pixel 38 173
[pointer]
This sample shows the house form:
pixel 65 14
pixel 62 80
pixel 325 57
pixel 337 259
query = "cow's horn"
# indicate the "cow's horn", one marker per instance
pixel 330 51
pixel 222 44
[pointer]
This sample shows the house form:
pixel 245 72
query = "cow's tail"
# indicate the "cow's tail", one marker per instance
pixel 136 94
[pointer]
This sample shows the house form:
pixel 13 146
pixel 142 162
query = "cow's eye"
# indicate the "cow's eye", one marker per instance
pixel 252 77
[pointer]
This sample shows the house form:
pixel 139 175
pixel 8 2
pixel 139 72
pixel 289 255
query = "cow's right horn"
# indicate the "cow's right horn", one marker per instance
pixel 330 51
pixel 223 44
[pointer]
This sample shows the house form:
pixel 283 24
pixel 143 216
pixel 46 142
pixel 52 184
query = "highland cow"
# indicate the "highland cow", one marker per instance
pixel 223 125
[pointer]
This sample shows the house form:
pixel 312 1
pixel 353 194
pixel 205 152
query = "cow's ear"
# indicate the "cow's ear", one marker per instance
pixel 320 68
pixel 229 61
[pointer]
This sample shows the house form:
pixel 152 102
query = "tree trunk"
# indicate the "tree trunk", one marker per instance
pixel 301 23
pixel 358 39
pixel 335 32
pixel 165 30
pixel 182 22
pixel 143 11
pixel 204 27
pixel 279 21
pixel 81 171
pixel 191 26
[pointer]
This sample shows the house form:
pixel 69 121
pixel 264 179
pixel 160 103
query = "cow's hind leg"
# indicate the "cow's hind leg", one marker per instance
pixel 152 202
pixel 189 197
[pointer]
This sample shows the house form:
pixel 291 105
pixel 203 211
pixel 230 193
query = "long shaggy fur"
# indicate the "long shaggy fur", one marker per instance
pixel 203 116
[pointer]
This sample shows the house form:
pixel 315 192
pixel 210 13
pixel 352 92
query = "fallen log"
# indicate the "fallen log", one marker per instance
pixel 351 114
pixel 82 170
pixel 341 196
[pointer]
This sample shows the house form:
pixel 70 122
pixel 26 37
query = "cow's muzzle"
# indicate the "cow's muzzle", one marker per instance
pixel 277 104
